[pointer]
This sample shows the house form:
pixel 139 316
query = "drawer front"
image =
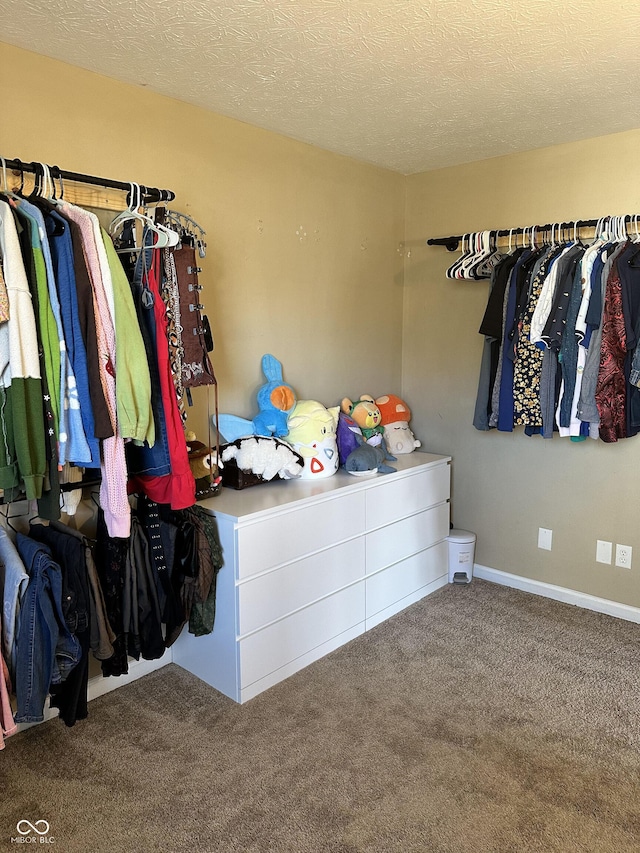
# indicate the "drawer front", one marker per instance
pixel 398 581
pixel 394 499
pixel 288 536
pixel 288 639
pixel 268 597
pixel 400 540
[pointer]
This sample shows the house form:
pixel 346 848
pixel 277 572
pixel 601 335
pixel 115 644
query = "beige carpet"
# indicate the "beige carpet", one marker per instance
pixel 480 719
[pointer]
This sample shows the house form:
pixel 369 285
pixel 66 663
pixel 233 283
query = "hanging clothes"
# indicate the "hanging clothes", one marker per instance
pixel 13 585
pixel 611 385
pixel 177 489
pixel 528 362
pixel 7 725
pixel 70 695
pixel 133 386
pixel 101 632
pixel 22 448
pixel 562 358
pixel 85 365
pixel 154 460
pixel 48 502
pixel 110 558
pixel 89 325
pixel 113 489
pixel 142 619
pixel 78 395
pixel 203 604
pixel 47 651
pixel 46 320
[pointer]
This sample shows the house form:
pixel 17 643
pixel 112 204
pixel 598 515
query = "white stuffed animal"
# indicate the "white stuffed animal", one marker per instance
pixel 395 419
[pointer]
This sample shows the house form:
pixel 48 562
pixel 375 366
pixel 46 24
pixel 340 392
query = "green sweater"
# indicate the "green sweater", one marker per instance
pixel 133 384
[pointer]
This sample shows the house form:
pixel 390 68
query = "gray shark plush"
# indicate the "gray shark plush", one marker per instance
pixel 369 458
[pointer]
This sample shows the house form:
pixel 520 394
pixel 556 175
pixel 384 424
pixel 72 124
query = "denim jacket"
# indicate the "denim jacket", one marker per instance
pixel 13 582
pixel 47 650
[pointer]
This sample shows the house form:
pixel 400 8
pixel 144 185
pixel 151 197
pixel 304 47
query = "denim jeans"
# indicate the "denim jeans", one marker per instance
pixel 47 650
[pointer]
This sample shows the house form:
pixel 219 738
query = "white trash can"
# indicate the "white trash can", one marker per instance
pixel 462 546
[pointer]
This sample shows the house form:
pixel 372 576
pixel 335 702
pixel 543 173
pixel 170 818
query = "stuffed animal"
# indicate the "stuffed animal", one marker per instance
pixel 264 456
pixel 276 400
pixel 346 436
pixel 312 433
pixel 366 414
pixel 204 467
pixel 366 458
pixel 395 419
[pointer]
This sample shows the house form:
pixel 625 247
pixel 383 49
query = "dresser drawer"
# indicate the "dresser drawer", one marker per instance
pixel 400 540
pixel 394 499
pixel 268 597
pixel 296 533
pixel 400 580
pixel 295 635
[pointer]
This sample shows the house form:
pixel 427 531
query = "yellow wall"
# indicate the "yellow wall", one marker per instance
pixel 333 305
pixel 506 486
pixel 329 305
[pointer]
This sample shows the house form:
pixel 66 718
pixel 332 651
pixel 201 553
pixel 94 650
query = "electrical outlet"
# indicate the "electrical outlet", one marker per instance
pixel 603 551
pixel 623 556
pixel 544 538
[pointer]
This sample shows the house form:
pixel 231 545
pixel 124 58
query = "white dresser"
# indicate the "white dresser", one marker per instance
pixel 309 565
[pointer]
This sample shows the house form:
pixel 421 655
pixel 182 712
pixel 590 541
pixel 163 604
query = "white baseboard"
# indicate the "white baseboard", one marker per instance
pixel 559 593
pixel 98 685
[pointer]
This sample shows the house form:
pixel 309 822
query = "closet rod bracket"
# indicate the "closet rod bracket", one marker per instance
pixel 450 243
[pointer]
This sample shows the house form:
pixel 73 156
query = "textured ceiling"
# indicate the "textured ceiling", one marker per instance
pixel 409 85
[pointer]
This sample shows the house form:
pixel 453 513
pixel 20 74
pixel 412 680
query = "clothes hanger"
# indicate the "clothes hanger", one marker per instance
pixel 173 237
pixel 7 518
pixel 465 248
pixel 632 261
pixel 464 271
pixel 534 245
pixel 5 183
pixel 452 269
pixel 10 193
pixel 492 257
pixel 43 185
pixel 484 250
pixel 30 514
pixel 577 237
pixel 132 213
pixel 52 171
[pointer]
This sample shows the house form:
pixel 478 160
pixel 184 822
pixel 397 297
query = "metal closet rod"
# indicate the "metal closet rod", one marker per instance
pixel 453 242
pixel 150 194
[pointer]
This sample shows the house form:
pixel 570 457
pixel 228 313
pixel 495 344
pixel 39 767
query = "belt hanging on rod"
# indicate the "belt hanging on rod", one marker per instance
pixel 150 194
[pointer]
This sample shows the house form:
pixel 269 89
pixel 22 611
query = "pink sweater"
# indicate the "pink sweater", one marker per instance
pixel 113 490
pixel 7 725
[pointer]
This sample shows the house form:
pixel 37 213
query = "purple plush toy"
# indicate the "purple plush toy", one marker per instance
pixel 346 436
